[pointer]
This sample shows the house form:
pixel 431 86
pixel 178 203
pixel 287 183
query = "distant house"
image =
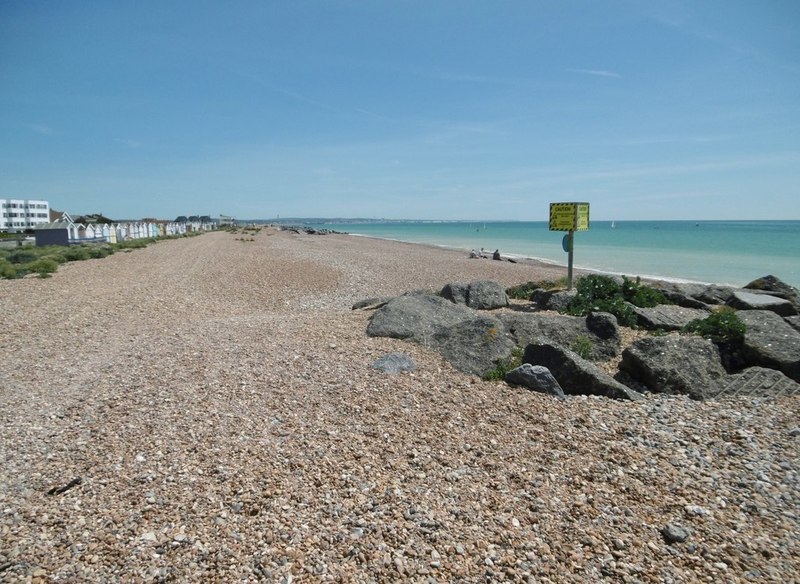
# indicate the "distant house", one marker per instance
pixel 22 214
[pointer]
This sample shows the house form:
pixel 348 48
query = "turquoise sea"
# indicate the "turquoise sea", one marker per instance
pixel 723 252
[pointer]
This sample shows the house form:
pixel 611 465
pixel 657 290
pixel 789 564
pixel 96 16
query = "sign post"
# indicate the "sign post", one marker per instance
pixel 570 217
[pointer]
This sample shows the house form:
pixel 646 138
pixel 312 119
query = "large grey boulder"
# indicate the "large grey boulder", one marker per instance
pixel 770 341
pixel 776 287
pixel 474 345
pixel 472 342
pixel 715 294
pixel 565 331
pixel 536 378
pixel 743 300
pixel 560 300
pixel 683 294
pixel 675 364
pixel 480 294
pixel 575 375
pixel 756 381
pixel 416 317
pixel 486 295
pixel 667 317
pixel 456 293
pixel 604 325
pixel 794 322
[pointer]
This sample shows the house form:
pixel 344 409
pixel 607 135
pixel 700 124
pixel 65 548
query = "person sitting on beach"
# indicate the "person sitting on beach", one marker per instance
pixel 496 254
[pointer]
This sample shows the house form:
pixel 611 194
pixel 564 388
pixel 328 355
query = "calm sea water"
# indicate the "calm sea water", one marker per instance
pixel 724 252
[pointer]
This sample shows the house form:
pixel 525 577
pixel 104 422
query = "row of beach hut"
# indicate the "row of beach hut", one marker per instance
pixel 65 231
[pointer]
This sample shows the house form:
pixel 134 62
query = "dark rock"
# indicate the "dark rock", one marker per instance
pixel 480 295
pixel 743 300
pixel 486 295
pixel 474 345
pixel 604 325
pixel 455 293
pixel 64 488
pixel 675 533
pixel 563 330
pixel 715 294
pixel 770 341
pixel 794 322
pixel 682 294
pixel 675 365
pixel 394 363
pixel 472 342
pixel 575 375
pixel 667 317
pixel 560 300
pixel 416 316
pixel 776 287
pixel 371 303
pixel 535 378
pixel 756 381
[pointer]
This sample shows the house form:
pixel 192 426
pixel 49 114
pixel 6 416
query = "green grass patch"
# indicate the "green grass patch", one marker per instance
pixel 582 346
pixel 503 366
pixel 722 327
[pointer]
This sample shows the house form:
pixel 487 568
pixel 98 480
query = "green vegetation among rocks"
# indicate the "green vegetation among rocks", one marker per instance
pixel 597 293
pixel 510 363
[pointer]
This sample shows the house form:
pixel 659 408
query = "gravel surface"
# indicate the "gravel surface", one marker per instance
pixel 206 410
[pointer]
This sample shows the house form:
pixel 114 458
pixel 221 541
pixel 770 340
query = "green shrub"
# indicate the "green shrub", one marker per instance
pixel 131 244
pixel 76 253
pixel 100 251
pixel 42 266
pixel 723 327
pixel 597 293
pixel 56 257
pixel 23 255
pixel 503 366
pixel 8 270
pixel 598 288
pixel 582 346
pixel 601 294
pixel 726 330
pixel 640 295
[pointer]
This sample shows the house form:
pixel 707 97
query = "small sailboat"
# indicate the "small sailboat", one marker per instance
pixel 613 225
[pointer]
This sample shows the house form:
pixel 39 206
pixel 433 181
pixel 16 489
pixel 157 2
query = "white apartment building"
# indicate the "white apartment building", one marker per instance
pixel 19 214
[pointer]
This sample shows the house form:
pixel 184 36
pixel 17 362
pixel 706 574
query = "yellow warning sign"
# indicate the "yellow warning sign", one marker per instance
pixel 569 216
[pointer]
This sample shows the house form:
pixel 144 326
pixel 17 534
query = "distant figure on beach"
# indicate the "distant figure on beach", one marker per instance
pixel 496 254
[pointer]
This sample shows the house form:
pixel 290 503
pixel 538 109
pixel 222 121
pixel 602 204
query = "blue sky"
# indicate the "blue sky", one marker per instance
pixel 432 109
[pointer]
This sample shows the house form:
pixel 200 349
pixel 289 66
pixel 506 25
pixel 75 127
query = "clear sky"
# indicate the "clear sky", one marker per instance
pixel 428 109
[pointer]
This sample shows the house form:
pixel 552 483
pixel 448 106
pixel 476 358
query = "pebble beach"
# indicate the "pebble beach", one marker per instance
pixel 206 410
